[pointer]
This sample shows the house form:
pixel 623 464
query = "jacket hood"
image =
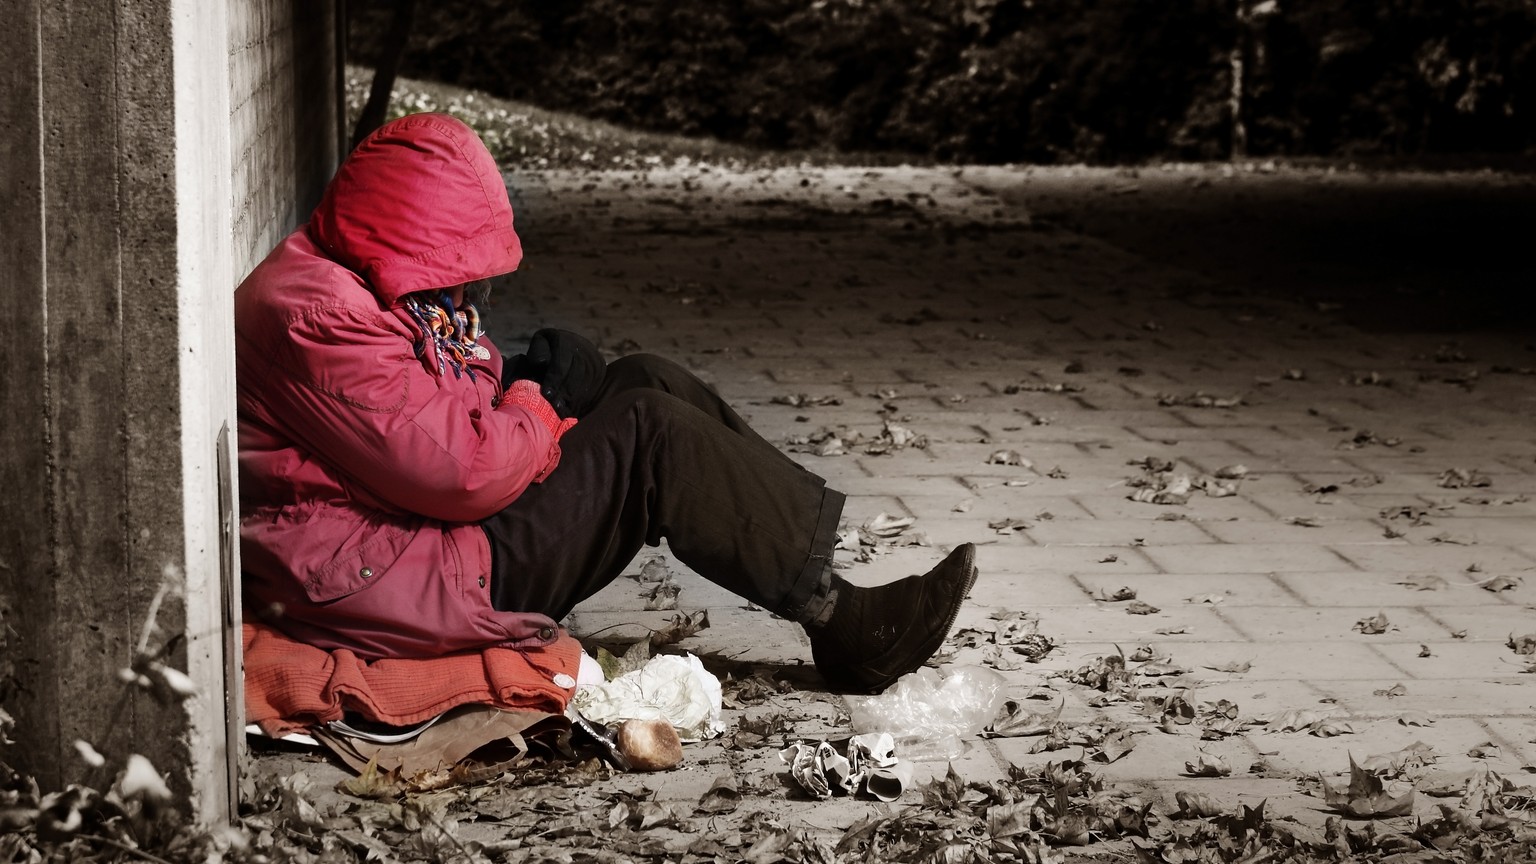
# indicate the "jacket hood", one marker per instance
pixel 419 204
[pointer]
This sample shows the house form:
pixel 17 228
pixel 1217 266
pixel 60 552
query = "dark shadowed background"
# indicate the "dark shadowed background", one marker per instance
pixel 1365 87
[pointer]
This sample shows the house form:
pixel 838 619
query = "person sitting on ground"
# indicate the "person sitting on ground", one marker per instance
pixel 404 495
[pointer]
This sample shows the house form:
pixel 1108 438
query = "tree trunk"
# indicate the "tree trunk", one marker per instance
pixel 1239 143
pixel 388 68
pixel 1238 147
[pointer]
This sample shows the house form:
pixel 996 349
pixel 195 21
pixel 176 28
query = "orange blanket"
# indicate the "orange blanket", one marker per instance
pixel 291 686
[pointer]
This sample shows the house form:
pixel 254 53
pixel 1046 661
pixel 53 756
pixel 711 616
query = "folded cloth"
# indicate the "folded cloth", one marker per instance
pixel 291 686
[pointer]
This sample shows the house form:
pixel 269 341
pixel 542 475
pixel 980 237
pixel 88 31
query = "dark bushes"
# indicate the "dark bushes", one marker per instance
pixel 1007 80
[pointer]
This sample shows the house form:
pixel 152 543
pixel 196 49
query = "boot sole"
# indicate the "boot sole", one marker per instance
pixel 854 684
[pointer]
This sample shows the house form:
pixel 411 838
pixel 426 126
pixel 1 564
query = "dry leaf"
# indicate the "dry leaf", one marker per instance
pixel 886 525
pixel 1208 765
pixel 723 797
pixel 1137 607
pixel 1458 478
pixel 1374 625
pixel 1118 595
pixel 681 627
pixel 1115 746
pixel 1366 797
pixel 1501 583
pixel 1198 399
pixel 1237 666
pixel 1522 644
pixel 994 658
pixel 1009 457
pixel 1216 488
pixel 801 400
pixel 1163 489
pixel 830 447
pixel 372 783
pixel 1157 668
pixel 1398 762
pixel 1015 627
pixel 1196 805
pixel 1015 721
pixel 634 658
pixel 655 570
pixel 1297 719
pixel 1329 728
pixel 662 596
pixel 1034 647
pixel 1177 711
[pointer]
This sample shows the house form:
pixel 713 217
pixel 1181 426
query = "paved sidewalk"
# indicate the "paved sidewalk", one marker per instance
pixel 918 289
pixel 919 297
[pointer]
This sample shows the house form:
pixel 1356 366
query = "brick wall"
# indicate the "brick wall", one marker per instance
pixel 283 117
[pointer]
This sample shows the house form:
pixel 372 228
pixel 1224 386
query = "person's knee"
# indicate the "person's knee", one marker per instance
pixel 646 370
pixel 645 408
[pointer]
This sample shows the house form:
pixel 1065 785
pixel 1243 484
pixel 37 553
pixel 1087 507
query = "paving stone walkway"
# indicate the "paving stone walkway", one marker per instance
pixel 1386 474
pixel 922 297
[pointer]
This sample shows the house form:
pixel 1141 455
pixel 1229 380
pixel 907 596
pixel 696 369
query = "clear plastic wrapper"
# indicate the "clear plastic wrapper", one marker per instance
pixel 928 715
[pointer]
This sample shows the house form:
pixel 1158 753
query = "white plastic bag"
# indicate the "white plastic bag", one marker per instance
pixel 674 688
pixel 929 715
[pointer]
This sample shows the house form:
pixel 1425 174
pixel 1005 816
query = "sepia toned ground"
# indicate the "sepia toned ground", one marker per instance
pixel 1355 561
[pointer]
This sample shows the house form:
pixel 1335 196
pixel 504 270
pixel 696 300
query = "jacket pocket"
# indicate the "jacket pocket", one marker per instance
pixel 364 559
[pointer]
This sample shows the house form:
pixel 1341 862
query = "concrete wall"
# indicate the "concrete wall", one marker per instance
pixel 153 151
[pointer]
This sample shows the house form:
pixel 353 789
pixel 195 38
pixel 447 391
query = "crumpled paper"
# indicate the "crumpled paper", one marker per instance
pixel 870 765
pixel 674 688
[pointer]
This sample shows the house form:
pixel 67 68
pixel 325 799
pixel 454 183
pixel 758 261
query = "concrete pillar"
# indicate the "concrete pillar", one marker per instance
pixel 117 387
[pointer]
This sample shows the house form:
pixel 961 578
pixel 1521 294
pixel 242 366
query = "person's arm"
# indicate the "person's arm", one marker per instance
pixel 357 398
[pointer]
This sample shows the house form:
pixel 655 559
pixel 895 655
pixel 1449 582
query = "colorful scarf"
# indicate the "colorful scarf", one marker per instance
pixel 452 333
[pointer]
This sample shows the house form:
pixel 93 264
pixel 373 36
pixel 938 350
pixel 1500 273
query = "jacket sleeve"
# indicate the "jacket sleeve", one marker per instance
pixel 346 385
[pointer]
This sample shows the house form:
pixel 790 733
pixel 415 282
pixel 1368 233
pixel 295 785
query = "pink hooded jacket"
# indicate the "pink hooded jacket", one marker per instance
pixel 363 474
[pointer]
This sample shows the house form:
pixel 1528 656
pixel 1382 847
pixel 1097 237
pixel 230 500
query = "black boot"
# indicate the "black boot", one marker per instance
pixel 876 635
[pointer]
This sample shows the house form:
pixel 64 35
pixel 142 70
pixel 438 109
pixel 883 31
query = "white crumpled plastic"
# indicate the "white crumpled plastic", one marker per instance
pixel 672 688
pixel 928 715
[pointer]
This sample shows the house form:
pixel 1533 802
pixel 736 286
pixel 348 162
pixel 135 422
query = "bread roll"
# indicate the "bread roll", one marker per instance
pixel 650 745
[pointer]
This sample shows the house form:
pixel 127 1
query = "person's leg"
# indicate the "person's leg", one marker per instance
pixel 657 455
pixel 644 464
pixel 650 372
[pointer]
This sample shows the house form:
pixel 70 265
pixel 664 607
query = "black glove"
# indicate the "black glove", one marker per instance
pixel 569 369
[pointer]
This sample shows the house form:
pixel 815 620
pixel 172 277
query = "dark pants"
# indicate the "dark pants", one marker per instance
pixel 660 455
